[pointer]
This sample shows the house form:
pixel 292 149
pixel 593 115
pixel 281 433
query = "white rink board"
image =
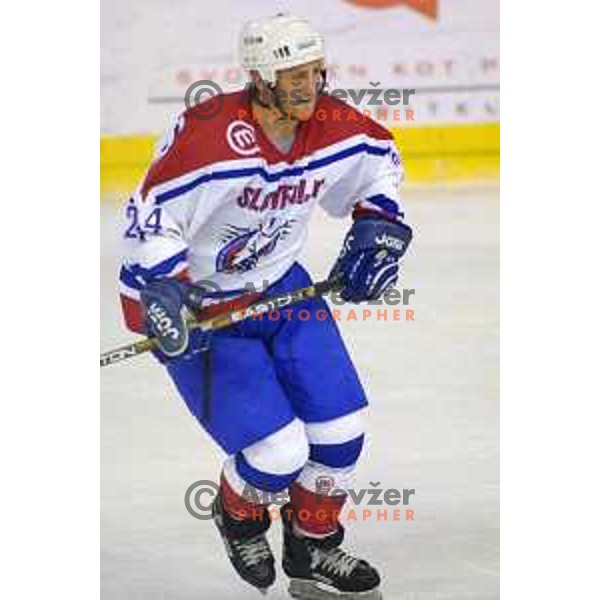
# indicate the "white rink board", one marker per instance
pixel 433 426
pixel 152 51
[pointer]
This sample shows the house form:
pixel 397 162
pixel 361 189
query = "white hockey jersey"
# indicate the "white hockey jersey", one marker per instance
pixel 220 202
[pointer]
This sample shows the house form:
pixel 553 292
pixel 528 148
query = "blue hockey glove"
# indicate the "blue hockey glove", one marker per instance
pixel 368 262
pixel 163 301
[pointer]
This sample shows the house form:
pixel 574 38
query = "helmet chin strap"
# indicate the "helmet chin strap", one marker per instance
pixel 256 95
pixel 323 83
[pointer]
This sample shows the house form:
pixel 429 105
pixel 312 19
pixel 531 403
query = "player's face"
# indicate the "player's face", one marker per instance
pixel 299 88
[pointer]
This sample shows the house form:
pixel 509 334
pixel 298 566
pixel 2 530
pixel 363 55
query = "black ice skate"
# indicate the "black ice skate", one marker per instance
pixel 247 546
pixel 321 570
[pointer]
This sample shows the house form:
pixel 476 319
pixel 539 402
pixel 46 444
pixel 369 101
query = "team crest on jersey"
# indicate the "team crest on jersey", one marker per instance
pixel 245 246
pixel 241 138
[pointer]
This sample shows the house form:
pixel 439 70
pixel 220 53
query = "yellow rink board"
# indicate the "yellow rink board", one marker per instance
pixel 440 154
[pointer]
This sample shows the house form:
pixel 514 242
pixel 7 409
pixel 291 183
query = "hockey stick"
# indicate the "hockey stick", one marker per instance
pixel 226 319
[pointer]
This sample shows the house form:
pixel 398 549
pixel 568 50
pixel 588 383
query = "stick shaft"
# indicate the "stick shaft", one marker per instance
pixel 259 307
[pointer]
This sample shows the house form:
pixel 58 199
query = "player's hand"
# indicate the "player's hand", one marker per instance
pixel 163 301
pixel 368 262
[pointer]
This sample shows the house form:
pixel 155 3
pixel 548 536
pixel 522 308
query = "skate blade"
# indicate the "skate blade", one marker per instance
pixel 303 589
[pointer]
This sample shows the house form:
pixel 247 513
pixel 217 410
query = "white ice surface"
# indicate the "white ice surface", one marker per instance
pixel 433 426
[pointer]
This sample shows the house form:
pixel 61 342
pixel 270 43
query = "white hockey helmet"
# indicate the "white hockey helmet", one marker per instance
pixel 281 42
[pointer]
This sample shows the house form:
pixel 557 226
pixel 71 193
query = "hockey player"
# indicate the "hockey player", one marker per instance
pixel 228 199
